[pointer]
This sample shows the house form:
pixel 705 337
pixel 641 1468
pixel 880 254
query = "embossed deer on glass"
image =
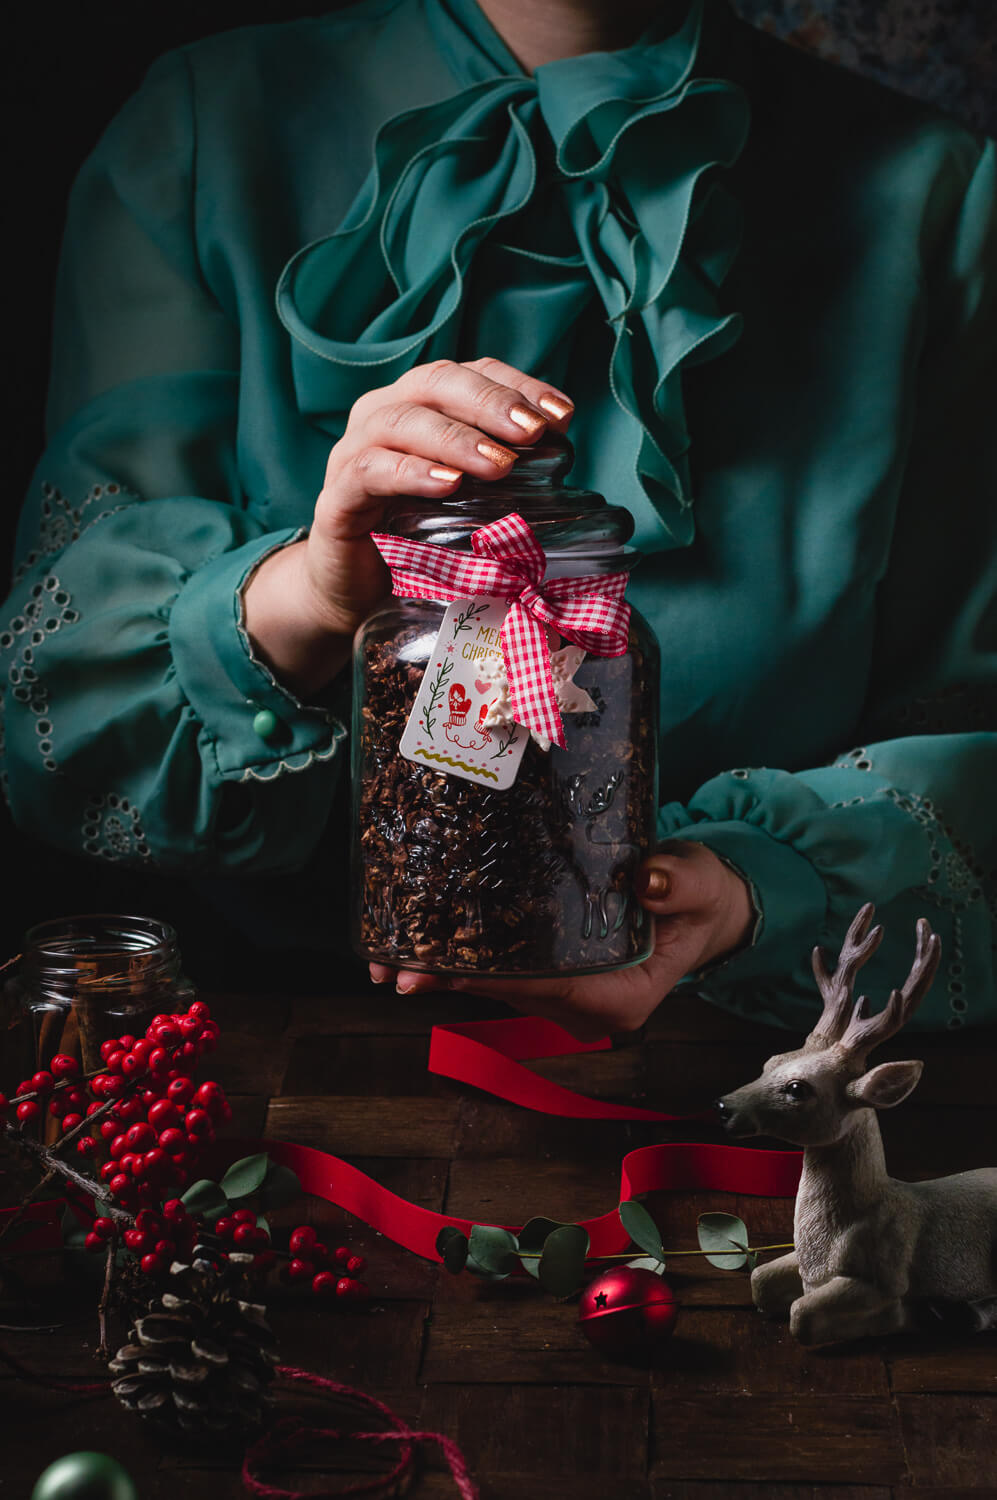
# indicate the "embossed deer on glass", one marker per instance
pixel 868 1248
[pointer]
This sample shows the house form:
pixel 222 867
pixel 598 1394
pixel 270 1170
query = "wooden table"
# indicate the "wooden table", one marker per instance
pixel 733 1407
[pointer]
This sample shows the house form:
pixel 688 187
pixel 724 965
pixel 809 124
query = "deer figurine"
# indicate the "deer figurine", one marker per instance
pixel 870 1252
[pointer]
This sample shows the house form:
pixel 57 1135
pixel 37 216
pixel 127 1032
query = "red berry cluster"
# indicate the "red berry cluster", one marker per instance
pixel 154 1119
pixel 161 1119
pixel 159 1236
pixel 309 1256
pixel 241 1231
pixel 60 1085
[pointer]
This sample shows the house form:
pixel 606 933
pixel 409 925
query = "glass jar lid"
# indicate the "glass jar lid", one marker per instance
pixel 566 521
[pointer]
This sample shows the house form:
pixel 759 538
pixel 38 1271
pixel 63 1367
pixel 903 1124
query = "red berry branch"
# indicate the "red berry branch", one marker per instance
pixel 141 1122
pixel 309 1258
pixel 140 1126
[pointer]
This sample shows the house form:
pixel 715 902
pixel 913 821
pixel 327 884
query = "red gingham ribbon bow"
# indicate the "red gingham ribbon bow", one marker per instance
pixel 510 563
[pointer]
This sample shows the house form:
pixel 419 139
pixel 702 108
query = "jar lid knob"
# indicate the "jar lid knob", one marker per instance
pixel 544 462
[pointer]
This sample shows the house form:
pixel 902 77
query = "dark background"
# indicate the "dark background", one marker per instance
pixel 69 68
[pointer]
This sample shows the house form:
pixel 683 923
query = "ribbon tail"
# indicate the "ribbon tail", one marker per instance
pixel 531 683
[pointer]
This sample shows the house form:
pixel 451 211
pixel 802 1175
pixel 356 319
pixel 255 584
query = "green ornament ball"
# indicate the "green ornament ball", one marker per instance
pixel 85 1476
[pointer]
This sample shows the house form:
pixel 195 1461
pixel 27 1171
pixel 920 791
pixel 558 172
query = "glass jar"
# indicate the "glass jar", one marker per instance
pixel 537 879
pixel 85 979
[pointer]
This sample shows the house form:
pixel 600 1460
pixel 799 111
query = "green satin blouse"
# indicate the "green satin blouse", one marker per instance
pixel 769 287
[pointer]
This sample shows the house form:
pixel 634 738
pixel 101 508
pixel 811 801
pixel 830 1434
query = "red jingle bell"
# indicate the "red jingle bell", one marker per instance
pixel 627 1310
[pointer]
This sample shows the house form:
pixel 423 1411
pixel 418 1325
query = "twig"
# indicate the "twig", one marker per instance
pixel 51 1162
pixel 50 1156
pixel 60 1083
pixel 633 1254
pixel 112 1245
pixel 31 1327
pixel 89 1121
pixel 55 1382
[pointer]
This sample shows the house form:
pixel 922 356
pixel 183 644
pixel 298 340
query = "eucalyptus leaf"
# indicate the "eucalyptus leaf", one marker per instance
pixel 532 1237
pixel 261 1223
pixel 717 1233
pixel 206 1198
pixel 245 1176
pixel 562 1264
pixel 751 1259
pixel 280 1187
pixel 477 1269
pixel 493 1249
pixel 648 1263
pixel 535 1231
pixel 641 1227
pixel 451 1246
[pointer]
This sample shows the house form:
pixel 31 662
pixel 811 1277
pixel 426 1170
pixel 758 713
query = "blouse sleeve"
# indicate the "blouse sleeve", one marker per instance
pixel 908 817
pixel 129 687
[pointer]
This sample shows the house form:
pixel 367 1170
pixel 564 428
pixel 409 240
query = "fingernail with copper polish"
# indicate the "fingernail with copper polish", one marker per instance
pixel 448 476
pixel 531 422
pixel 500 457
pixel 558 406
pixel 654 885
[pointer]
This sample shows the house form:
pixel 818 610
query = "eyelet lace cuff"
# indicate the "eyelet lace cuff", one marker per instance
pixel 227 686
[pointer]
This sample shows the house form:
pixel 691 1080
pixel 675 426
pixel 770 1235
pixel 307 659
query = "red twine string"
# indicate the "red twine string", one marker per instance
pixel 289 1435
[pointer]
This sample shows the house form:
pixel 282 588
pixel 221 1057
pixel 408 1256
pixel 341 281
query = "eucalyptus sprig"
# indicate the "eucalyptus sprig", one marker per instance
pixel 270 1184
pixel 556 1254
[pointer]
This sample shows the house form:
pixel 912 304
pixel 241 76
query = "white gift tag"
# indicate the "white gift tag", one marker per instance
pixel 445 729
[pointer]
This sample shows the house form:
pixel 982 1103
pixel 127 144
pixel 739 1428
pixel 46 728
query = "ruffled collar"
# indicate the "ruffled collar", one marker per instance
pixel 535 218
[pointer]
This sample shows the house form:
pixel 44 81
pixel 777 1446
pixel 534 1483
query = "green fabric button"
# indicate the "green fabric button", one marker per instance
pixel 267 726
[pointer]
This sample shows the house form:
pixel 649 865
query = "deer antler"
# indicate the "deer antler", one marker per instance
pixel 865 1032
pixel 836 987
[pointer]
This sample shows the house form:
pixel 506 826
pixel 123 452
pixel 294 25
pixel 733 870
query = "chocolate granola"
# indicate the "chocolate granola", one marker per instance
pixel 536 879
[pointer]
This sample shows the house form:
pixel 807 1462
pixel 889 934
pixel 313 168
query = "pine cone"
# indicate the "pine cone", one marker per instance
pixel 200 1358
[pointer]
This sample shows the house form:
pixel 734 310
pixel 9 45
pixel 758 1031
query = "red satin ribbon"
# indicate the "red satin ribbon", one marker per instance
pixel 488 1055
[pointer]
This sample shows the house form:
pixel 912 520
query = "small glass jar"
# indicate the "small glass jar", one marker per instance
pixel 537 879
pixel 85 979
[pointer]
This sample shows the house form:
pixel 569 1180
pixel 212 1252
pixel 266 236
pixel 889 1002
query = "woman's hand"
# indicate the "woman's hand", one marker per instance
pixel 417 437
pixel 703 910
